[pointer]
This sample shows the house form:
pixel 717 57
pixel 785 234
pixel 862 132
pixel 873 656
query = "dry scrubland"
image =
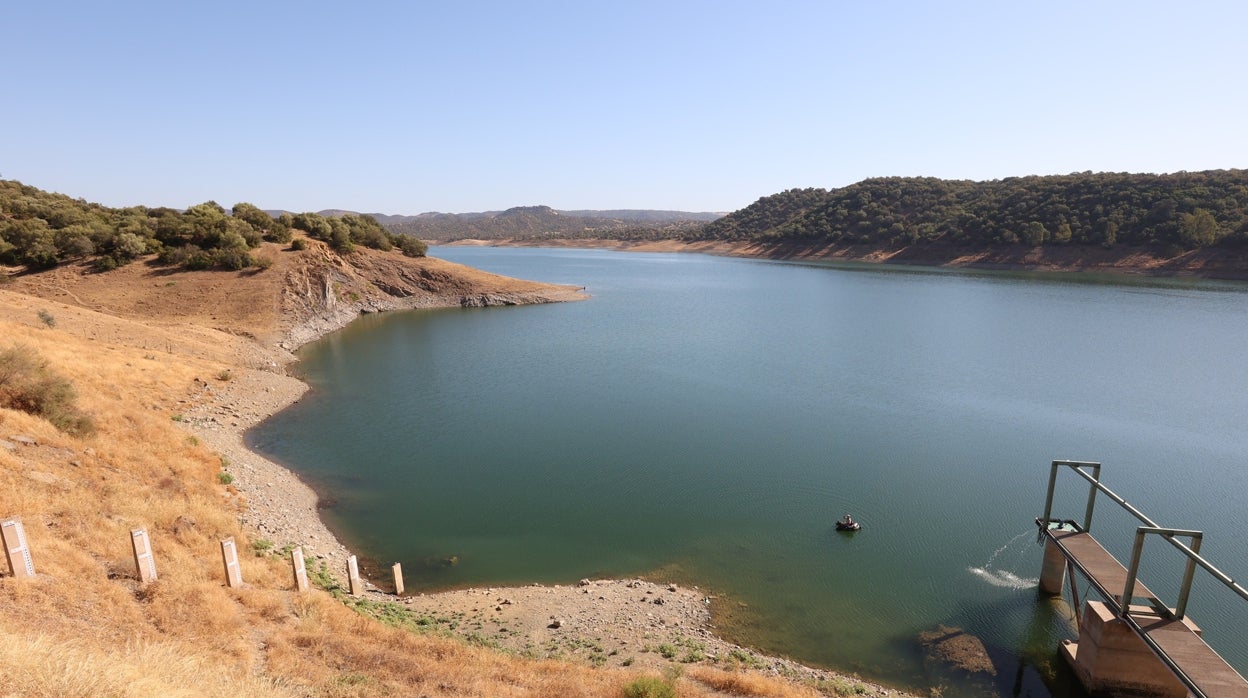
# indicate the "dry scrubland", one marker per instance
pixel 139 345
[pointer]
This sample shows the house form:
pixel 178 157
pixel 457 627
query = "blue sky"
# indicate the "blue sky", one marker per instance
pixel 404 107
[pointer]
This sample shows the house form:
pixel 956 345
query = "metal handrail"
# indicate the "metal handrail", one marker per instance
pixel 1192 553
pixel 1150 526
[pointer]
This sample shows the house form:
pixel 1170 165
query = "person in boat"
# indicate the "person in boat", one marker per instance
pixel 847 521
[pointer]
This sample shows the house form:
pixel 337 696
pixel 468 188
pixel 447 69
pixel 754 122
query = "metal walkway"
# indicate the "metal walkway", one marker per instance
pixel 1163 630
pixel 1194 662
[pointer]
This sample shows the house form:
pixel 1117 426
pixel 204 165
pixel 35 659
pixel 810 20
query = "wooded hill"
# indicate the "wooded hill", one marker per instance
pixel 544 222
pixel 1182 211
pixel 39 230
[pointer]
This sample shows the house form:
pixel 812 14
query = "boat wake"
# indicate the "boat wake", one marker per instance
pixel 1002 578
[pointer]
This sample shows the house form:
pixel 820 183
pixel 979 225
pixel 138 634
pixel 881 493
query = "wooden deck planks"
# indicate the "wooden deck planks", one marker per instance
pixel 1098 565
pixel 1203 666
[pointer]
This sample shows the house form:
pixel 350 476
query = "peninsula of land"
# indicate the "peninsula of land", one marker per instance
pixel 172 367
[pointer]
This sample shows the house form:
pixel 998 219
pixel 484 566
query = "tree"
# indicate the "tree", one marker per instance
pixel 1063 233
pixel 254 216
pixel 313 224
pixel 1198 228
pixel 1111 234
pixel 1034 233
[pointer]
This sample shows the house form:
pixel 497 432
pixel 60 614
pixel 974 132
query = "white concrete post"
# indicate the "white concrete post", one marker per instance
pixel 1053 571
pixel 398 578
pixel 16 549
pixel 301 571
pixel 229 556
pixel 353 576
pixel 144 561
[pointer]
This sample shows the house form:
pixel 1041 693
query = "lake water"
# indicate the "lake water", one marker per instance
pixel 706 420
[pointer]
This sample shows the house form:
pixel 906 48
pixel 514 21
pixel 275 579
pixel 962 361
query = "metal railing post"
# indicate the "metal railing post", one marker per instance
pixel 1048 498
pixel 1096 481
pixel 1128 590
pixel 1181 607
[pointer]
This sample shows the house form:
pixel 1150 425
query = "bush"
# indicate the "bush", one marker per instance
pixel 199 260
pixel 233 258
pixel 28 385
pixel 299 244
pixel 412 247
pixel 104 263
pixel 278 233
pixel 650 687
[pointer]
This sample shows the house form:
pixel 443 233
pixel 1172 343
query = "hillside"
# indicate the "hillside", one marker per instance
pixel 1188 223
pixel 543 222
pixel 1169 213
pixel 533 222
pixel 169 366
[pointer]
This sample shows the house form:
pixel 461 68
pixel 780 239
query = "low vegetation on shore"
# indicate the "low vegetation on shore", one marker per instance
pixel 40 230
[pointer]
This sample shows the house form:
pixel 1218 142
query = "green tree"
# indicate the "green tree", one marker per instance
pixel 255 217
pixel 1111 234
pixel 1063 233
pixel 313 224
pixel 1198 228
pixel 1034 233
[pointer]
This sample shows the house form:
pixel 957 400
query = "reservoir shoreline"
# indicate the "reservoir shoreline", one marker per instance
pixel 1122 259
pixel 628 618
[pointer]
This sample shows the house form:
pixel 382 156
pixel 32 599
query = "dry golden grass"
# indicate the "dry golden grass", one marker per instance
pixel 84 626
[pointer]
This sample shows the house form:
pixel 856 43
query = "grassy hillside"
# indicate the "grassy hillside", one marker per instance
pixel 140 346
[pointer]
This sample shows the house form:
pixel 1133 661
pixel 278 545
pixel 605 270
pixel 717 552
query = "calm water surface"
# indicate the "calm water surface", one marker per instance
pixel 707 419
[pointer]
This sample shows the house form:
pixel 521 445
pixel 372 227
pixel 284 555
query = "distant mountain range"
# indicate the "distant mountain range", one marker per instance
pixel 534 221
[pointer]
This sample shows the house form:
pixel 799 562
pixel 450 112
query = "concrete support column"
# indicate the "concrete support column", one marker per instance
pixel 1053 572
pixel 1110 659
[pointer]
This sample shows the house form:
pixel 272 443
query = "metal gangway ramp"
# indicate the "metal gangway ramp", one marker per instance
pixel 1174 641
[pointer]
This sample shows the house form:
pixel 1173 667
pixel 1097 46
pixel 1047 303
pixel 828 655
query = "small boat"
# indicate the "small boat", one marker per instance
pixel 847 523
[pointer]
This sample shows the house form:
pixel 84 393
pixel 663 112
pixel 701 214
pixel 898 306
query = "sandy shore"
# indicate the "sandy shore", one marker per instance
pixel 602 622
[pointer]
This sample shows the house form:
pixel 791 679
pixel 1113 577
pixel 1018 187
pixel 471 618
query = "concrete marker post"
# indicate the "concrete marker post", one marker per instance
pixel 144 561
pixel 300 570
pixel 353 576
pixel 397 569
pixel 229 556
pixel 16 549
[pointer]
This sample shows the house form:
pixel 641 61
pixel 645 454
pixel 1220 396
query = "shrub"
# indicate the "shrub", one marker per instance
pixel 278 233
pixel 199 260
pixel 104 263
pixel 412 247
pixel 178 255
pixel 650 687
pixel 298 244
pixel 28 385
pixel 225 478
pixel 233 258
pixel 46 318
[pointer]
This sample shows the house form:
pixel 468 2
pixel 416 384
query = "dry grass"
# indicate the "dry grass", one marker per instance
pixel 85 627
